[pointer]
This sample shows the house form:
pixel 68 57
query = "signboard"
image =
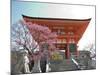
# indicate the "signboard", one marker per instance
pixel 72 47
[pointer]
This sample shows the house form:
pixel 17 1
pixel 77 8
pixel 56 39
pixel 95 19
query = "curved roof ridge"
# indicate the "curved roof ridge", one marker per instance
pixel 56 18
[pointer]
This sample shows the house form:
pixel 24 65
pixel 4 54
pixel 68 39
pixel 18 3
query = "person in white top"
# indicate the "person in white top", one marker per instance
pixel 26 62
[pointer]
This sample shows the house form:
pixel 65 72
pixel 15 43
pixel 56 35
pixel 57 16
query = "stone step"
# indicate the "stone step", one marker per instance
pixel 65 65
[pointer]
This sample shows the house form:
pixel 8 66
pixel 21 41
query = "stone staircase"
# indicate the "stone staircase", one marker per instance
pixel 65 65
pixel 68 65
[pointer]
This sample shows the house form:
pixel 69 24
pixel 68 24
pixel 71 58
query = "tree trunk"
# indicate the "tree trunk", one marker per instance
pixel 36 68
pixel 43 63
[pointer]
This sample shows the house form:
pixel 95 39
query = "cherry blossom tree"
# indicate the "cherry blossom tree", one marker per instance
pixel 45 39
pixel 21 37
pixel 21 40
pixel 28 36
pixel 37 39
pixel 42 35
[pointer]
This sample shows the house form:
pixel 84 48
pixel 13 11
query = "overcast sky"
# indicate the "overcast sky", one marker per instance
pixel 58 11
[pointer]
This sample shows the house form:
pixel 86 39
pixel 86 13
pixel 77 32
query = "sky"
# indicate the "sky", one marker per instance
pixel 36 9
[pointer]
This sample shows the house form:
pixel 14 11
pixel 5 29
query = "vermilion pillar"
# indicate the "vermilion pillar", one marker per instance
pixel 67 51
